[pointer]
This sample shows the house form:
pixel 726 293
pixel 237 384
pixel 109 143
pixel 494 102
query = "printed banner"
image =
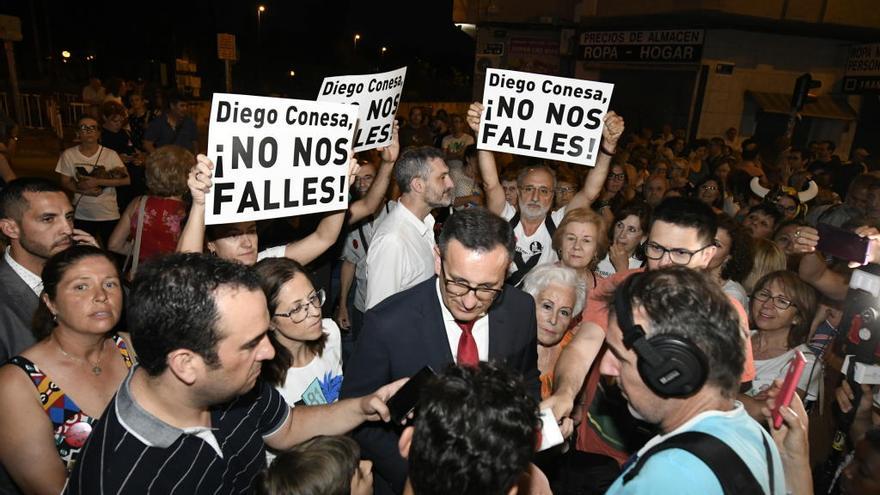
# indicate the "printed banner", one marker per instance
pixel 377 96
pixel 276 157
pixel 554 118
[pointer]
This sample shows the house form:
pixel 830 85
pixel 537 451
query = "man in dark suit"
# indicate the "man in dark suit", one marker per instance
pixel 463 315
pixel 36 218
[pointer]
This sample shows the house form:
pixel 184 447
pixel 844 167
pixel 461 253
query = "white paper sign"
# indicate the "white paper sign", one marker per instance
pixel 555 118
pixel 275 157
pixel 551 436
pixel 377 96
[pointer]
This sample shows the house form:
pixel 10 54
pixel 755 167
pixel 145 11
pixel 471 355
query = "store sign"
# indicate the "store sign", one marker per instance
pixel 671 46
pixel 862 73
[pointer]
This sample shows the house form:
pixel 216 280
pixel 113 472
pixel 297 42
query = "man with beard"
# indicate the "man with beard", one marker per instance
pixel 37 220
pixel 534 224
pixel 402 251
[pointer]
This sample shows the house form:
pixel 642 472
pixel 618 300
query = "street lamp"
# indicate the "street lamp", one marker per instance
pixel 260 10
pixel 65 55
pixel 357 38
pixel 292 73
pixel 384 49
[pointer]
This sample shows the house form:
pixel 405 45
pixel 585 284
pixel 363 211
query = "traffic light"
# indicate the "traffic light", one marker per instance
pixel 802 88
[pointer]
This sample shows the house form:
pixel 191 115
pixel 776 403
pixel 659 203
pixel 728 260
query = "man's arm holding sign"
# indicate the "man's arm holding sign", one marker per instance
pixel 366 206
pixel 611 133
pixel 486 161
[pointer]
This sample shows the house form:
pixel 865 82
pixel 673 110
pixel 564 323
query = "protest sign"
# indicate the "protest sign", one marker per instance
pixel 275 157
pixel 554 118
pixel 377 96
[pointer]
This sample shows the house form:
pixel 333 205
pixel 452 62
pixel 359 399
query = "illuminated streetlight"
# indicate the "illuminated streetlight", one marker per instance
pixel 260 10
pixel 65 54
pixel 292 73
pixel 384 49
pixel 357 38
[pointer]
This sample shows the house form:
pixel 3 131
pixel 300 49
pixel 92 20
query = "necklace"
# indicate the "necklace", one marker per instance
pixel 96 366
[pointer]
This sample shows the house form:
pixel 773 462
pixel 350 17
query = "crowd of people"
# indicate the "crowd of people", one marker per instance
pixel 652 303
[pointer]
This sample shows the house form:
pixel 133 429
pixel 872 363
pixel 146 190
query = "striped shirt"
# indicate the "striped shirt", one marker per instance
pixel 132 451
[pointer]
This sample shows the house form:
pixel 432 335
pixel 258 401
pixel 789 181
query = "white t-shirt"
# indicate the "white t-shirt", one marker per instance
pixel 735 290
pixel 455 145
pixel 320 381
pixel 272 252
pixel 767 370
pixel 538 244
pixel 92 208
pixel 606 269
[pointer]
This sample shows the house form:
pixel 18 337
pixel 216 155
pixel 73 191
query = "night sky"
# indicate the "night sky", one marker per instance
pixel 313 37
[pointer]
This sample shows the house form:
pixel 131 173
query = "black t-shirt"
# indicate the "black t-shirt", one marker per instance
pixel 119 142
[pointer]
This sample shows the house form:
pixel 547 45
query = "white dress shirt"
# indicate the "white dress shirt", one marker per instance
pixel 31 279
pixel 401 254
pixel 480 331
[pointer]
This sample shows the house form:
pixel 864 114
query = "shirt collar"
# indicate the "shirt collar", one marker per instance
pixel 142 425
pixel 422 225
pixel 31 279
pixel 738 409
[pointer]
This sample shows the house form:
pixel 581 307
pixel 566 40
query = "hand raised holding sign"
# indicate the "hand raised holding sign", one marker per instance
pixel 199 180
pixel 474 113
pixel 614 127
pixel 389 153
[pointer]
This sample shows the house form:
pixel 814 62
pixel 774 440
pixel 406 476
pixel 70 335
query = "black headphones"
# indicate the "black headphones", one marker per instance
pixel 671 365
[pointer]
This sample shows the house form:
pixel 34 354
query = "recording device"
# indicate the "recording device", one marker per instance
pixel 404 402
pixel 789 386
pixel 861 322
pixel 842 244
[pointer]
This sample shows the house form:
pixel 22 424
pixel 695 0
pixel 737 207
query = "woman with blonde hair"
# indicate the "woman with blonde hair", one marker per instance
pixel 163 207
pixel 581 241
pixel 768 258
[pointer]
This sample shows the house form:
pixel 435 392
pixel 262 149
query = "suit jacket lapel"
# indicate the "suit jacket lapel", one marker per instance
pixel 497 343
pixel 433 328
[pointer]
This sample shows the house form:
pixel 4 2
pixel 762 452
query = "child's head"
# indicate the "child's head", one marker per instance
pixel 320 466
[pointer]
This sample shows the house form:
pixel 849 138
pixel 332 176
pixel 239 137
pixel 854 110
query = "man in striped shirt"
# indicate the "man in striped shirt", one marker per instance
pixel 193 417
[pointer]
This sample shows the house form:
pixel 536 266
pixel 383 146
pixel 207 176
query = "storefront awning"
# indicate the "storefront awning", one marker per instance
pixel 825 107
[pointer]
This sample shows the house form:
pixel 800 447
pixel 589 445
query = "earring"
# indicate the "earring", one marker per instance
pixel 54 318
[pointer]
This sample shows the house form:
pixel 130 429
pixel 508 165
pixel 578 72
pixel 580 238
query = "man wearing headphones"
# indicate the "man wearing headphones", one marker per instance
pixel 664 328
pixel 681 233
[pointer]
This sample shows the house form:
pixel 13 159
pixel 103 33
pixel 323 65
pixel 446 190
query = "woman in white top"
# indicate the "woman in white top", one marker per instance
pixel 782 309
pixel 307 367
pixel 628 232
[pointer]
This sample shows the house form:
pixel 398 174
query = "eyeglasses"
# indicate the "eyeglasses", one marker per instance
pixel 564 190
pixel 617 176
pixel 708 187
pixel 542 191
pixel 678 256
pixel 301 311
pixel 88 128
pixel 460 289
pixel 780 302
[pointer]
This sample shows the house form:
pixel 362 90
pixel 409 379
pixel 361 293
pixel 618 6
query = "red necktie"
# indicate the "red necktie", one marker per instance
pixel 467 346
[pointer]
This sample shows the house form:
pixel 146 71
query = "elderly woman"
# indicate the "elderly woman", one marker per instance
pixel 580 241
pixel 559 295
pixel 55 391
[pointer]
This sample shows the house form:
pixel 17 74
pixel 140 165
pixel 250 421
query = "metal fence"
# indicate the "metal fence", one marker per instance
pixel 42 111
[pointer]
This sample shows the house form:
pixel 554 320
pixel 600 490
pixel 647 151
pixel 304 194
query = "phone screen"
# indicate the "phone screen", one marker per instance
pixel 841 243
pixel 404 401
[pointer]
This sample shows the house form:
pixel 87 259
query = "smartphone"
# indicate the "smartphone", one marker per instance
pixel 789 386
pixel 401 404
pixel 842 244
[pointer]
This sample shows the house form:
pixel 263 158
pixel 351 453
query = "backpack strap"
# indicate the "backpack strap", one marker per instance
pixel 733 474
pixel 360 230
pixel 522 266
